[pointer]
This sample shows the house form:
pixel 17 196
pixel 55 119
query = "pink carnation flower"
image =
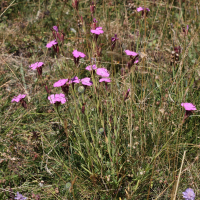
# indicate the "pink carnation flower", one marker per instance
pixel 36 65
pixel 102 72
pixel 131 53
pixel 60 83
pixel 97 31
pixel 107 80
pixel 91 67
pixel 188 106
pixel 86 81
pixel 142 9
pixel 74 80
pixel 19 97
pixel 57 98
pixel 52 43
pixel 55 28
pixel 77 54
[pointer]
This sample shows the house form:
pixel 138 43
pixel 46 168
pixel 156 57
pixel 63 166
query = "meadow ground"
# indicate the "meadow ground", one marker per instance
pixel 119 131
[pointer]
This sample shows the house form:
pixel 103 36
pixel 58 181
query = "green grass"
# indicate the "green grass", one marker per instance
pixel 138 148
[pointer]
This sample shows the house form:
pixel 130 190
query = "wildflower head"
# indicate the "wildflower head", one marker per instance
pixel 38 66
pixel 19 197
pixel 91 67
pixel 189 108
pixel 102 72
pixel 52 43
pixel 189 194
pixel 75 80
pixel 144 10
pixel 106 80
pixel 57 99
pixel 55 28
pixel 60 83
pixel 114 38
pixel 134 58
pixel 97 31
pixel 20 98
pixel 131 53
pixel 113 42
pixel 86 81
pixel 63 83
pixel 76 55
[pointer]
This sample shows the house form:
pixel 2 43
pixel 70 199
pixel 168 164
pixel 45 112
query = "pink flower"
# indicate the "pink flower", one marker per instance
pixel 136 61
pixel 91 67
pixel 131 53
pixel 142 9
pixel 19 97
pixel 97 31
pixel 57 98
pixel 188 106
pixel 189 194
pixel 55 28
pixel 113 42
pixel 113 39
pixel 107 80
pixel 60 83
pixel 78 54
pixel 102 72
pixel 86 81
pixel 74 80
pixel 64 84
pixel 36 65
pixel 52 43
